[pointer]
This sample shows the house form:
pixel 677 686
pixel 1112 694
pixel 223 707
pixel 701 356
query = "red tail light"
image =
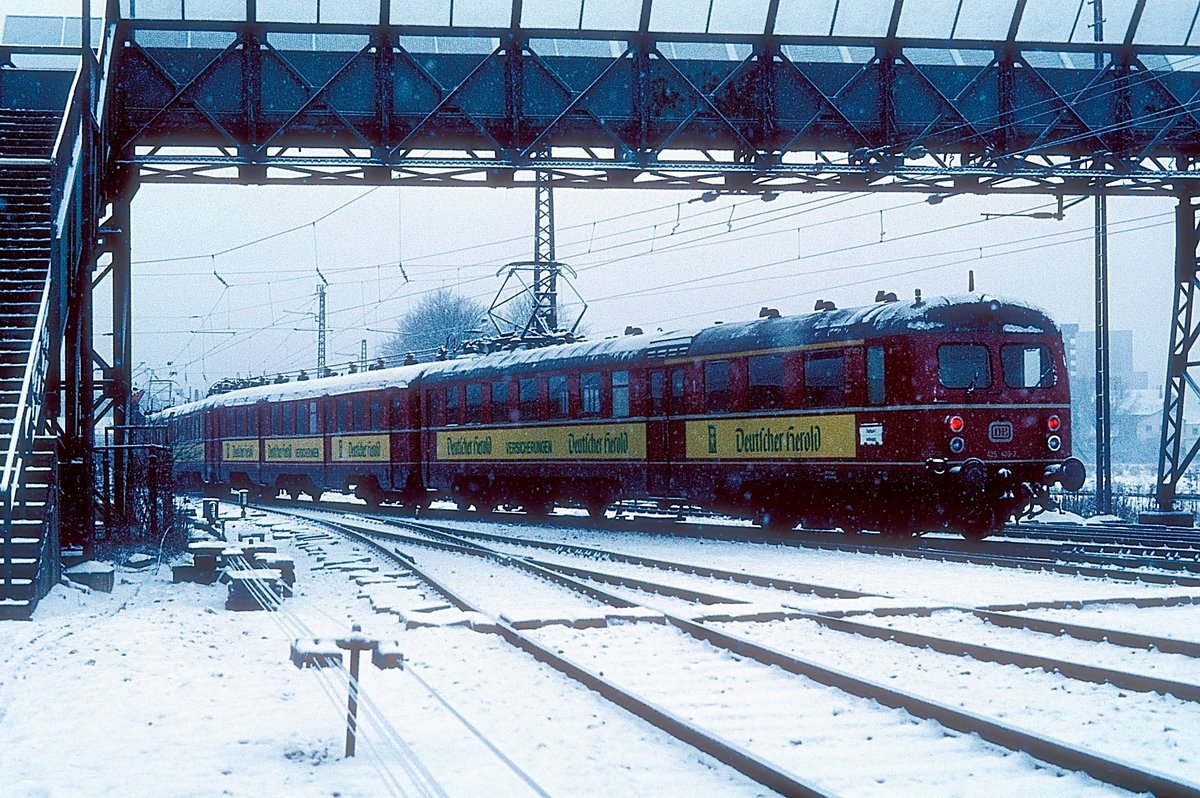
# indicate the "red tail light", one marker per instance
pixel 956 423
pixel 1053 423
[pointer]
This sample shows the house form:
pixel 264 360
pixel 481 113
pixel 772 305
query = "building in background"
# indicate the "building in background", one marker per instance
pixel 1136 404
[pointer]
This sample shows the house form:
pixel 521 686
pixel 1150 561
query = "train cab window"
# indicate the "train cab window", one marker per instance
pixel 658 393
pixel 500 402
pixel 452 402
pixel 825 378
pixel 527 396
pixel 766 382
pixel 620 394
pixel 716 386
pixel 475 403
pixel 876 390
pixel 964 366
pixel 301 418
pixel 558 397
pixel 312 418
pixel 1027 366
pixel 676 405
pixel 589 391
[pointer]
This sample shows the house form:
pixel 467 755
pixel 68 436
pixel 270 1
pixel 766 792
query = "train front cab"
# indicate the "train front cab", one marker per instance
pixel 998 434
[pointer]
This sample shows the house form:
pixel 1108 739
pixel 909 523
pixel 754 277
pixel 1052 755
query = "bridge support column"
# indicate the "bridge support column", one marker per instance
pixel 120 378
pixel 1179 447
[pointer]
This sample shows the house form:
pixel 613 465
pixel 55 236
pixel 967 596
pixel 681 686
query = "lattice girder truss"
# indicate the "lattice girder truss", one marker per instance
pixel 750 114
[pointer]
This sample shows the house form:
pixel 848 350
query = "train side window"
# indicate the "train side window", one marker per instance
pixel 359 420
pixel 825 378
pixel 558 397
pixel 500 402
pixel 766 382
pixel 716 386
pixel 277 420
pixel 527 396
pixel 1027 366
pixel 620 394
pixel 658 393
pixel 964 366
pixel 343 415
pixel 397 413
pixel 678 387
pixel 475 403
pixel 589 391
pixel 876 387
pixel 452 402
pixel 312 418
pixel 376 413
pixel 301 418
pixel 289 424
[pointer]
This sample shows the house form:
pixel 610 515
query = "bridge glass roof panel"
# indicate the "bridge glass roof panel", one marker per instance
pixel 804 17
pixel 1168 22
pixel 421 12
pixel 862 17
pixel 1056 21
pixel 287 10
pixel 987 20
pixel 200 10
pixel 708 16
pixel 928 19
pixel 611 14
pixel 483 13
pixel 550 14
pixel 52 31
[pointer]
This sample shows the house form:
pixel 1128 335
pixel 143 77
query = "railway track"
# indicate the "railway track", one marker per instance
pixel 564 605
pixel 1162 563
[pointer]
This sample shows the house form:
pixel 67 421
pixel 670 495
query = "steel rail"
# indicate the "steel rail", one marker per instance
pixel 1110 770
pixel 954 551
pixel 1072 670
pixel 723 751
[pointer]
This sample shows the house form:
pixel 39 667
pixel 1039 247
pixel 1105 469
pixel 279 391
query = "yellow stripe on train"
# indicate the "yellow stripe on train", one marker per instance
pixel 360 449
pixel 772 438
pixel 577 442
pixel 295 450
pixel 240 451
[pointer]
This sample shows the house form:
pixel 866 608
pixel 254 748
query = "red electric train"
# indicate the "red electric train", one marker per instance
pixel 949 413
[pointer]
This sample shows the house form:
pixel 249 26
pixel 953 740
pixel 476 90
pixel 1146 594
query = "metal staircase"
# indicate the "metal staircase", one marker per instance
pixel 29 550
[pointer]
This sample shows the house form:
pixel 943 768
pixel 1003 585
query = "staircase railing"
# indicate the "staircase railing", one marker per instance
pixel 69 167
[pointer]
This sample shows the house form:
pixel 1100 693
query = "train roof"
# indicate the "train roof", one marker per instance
pixel 382 379
pixel 968 312
pixel 973 312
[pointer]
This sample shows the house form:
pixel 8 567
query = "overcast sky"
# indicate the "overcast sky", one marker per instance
pixel 739 254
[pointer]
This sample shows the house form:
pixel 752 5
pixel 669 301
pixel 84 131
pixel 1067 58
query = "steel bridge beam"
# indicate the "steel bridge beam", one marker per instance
pixel 635 108
pixel 1179 447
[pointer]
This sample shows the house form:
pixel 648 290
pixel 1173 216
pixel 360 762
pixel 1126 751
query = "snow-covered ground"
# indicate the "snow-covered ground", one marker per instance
pixel 157 690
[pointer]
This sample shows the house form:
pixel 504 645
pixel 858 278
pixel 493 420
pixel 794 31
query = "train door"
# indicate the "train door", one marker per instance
pixel 676 429
pixel 658 456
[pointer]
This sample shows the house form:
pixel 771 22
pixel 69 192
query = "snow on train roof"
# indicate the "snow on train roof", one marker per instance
pixel 953 312
pixel 607 350
pixel 958 311
pixel 398 377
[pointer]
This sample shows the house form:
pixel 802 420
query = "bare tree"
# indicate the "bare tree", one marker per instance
pixel 441 319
